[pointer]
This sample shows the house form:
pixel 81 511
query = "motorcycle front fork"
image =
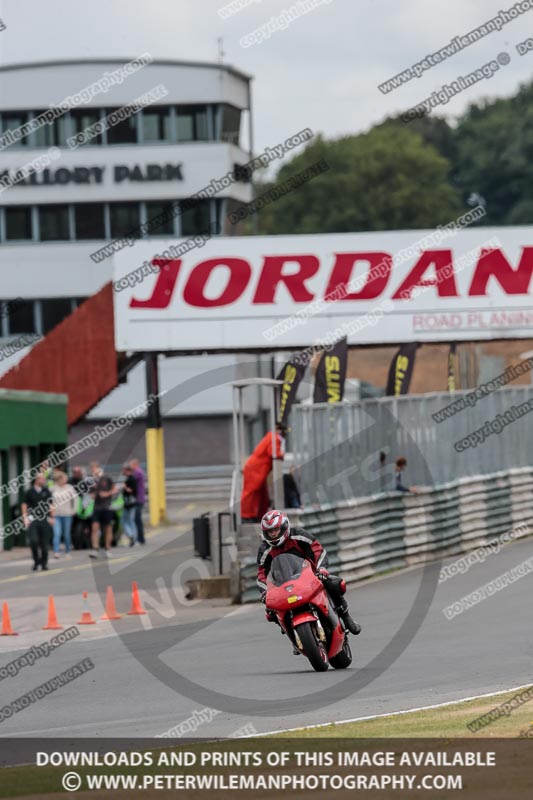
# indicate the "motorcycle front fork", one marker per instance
pixel 292 638
pixel 295 639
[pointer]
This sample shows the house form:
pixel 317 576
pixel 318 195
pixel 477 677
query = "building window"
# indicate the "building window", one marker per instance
pixel 125 219
pixel 192 124
pixel 11 120
pixel 83 119
pixel 22 319
pixel 156 124
pixel 52 134
pixel 54 223
pixel 231 124
pixel 90 220
pixel 54 311
pixel 123 133
pixel 18 223
pixel 196 219
pixel 164 227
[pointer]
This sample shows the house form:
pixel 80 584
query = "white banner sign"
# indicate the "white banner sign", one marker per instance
pixel 269 292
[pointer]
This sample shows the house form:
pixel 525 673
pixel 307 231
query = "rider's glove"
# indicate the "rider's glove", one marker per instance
pixel 323 573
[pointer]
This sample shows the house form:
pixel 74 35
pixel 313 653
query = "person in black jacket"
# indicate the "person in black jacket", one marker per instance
pixel 401 464
pixel 291 493
pixel 129 493
pixel 38 516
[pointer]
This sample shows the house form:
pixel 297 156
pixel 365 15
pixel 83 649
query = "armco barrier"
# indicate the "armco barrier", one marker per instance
pixel 388 531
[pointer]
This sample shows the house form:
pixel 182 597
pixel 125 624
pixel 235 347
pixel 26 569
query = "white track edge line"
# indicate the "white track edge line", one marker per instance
pixel 392 713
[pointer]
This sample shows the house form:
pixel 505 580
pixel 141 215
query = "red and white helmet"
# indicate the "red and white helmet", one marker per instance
pixel 275 528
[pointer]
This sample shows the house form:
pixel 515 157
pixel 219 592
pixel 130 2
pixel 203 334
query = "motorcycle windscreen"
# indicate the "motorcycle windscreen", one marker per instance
pixel 286 567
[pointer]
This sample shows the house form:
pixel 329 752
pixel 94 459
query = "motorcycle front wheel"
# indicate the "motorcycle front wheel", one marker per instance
pixel 313 647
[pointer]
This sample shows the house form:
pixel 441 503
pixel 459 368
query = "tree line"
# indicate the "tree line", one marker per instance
pixel 413 175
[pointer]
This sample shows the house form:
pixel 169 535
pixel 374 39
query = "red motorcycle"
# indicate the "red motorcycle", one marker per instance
pixel 304 611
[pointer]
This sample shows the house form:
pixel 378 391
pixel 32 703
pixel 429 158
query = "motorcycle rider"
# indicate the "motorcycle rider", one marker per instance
pixel 279 537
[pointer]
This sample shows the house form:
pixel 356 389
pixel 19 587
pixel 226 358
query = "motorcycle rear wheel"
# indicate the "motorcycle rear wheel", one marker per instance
pixel 343 659
pixel 313 648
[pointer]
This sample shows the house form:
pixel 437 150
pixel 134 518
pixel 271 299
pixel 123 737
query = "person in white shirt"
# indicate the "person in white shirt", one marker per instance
pixel 65 505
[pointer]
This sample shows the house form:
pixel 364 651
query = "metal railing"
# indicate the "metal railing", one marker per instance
pixel 337 446
pixel 393 531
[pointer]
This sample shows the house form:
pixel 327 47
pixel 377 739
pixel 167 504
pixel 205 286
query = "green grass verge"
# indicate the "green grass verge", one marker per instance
pixel 448 721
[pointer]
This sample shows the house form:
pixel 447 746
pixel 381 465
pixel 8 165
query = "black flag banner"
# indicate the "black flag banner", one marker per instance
pixel 291 375
pixel 401 369
pixel 451 367
pixel 330 374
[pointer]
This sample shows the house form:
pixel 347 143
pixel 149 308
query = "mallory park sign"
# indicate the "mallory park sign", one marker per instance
pixel 95 175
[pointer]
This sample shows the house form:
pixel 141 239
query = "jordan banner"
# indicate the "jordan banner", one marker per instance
pixel 291 375
pixel 401 369
pixel 451 367
pixel 386 287
pixel 330 374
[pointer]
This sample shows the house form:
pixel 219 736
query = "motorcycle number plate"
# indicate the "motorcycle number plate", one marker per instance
pixel 293 598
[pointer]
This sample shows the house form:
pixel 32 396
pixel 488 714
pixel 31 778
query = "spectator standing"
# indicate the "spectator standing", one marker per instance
pixel 47 471
pixel 77 477
pixel 81 523
pixel 140 476
pixel 291 492
pixel 95 471
pixel 102 519
pixel 38 517
pixel 129 493
pixel 65 502
pixel 401 464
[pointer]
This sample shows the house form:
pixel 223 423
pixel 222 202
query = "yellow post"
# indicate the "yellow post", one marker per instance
pixel 153 469
pixel 155 449
pixel 161 464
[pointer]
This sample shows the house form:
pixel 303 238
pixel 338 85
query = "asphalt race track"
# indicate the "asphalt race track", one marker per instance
pixel 146 680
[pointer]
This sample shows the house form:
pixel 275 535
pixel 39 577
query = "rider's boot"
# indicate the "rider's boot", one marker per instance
pixel 351 624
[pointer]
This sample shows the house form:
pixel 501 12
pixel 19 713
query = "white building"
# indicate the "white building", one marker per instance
pixel 51 221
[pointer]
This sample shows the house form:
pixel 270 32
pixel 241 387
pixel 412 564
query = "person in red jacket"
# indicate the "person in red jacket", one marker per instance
pixel 279 537
pixel 254 498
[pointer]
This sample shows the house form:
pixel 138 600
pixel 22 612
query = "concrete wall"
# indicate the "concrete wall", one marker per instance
pixel 189 441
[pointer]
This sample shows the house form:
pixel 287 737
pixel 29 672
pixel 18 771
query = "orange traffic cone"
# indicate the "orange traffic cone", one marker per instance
pixel 52 624
pixel 136 607
pixel 86 617
pixel 110 608
pixel 7 630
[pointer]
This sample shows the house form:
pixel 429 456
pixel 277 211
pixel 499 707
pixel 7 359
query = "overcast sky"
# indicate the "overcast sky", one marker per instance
pixel 321 72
